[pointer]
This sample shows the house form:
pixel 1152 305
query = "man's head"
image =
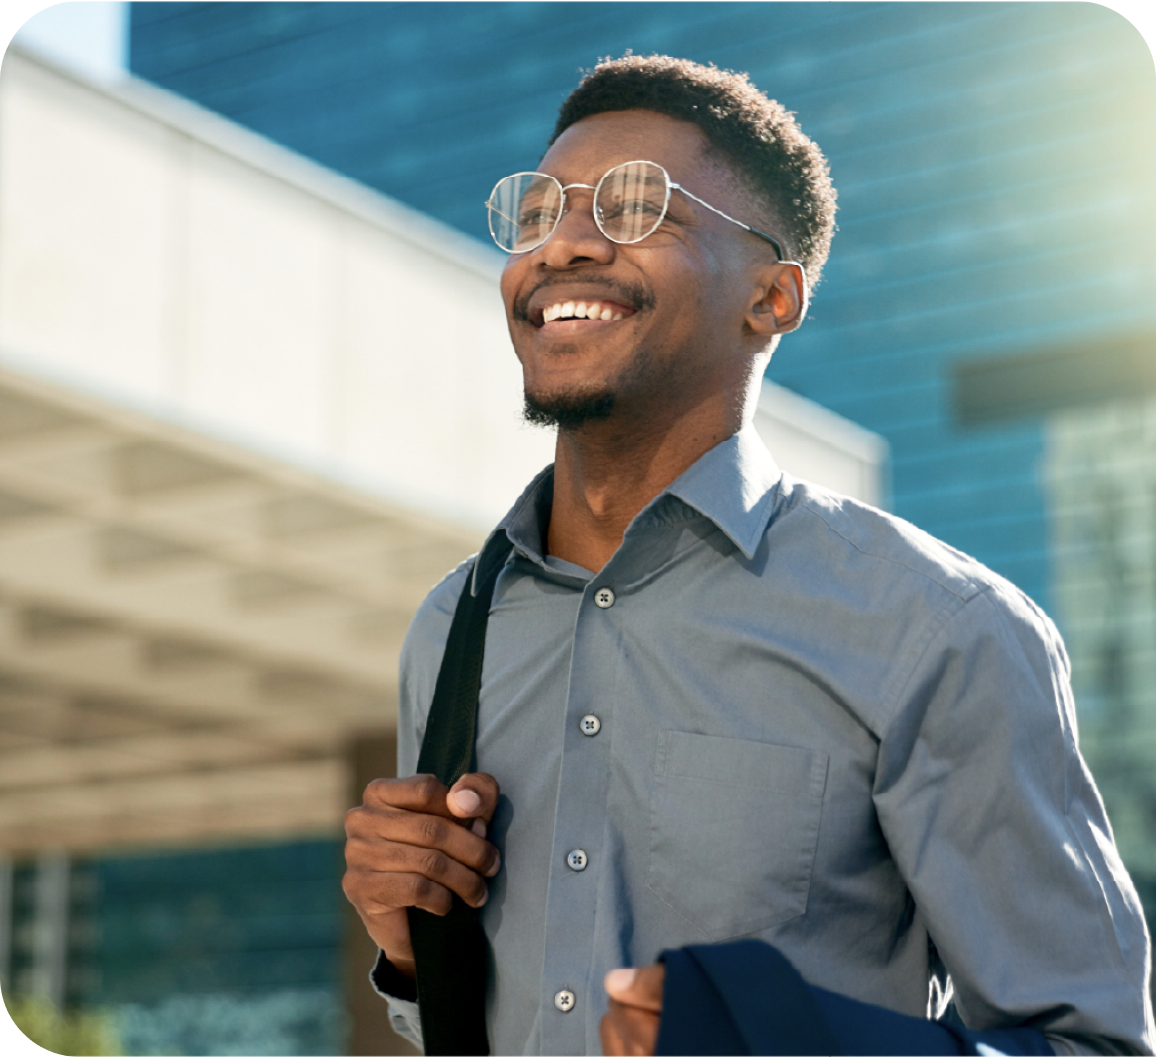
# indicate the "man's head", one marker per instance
pixel 756 138
pixel 687 315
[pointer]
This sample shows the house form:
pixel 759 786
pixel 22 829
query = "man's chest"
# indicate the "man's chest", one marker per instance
pixel 665 743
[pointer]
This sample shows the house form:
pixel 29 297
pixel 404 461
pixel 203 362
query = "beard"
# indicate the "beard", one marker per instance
pixel 567 410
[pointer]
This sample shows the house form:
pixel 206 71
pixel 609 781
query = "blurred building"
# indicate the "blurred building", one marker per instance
pixel 251 410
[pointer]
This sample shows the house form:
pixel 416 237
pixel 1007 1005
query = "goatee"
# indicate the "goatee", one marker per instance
pixel 567 411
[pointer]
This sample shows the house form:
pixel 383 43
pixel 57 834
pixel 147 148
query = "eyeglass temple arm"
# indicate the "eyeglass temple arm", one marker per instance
pixel 754 231
pixel 489 204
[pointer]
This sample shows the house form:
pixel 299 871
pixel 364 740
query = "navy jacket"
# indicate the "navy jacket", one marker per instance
pixel 746 998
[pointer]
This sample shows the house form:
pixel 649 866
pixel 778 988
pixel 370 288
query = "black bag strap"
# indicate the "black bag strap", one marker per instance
pixel 450 952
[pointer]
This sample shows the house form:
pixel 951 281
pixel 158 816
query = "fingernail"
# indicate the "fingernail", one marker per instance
pixel 478 827
pixel 496 867
pixel 482 902
pixel 618 980
pixel 467 800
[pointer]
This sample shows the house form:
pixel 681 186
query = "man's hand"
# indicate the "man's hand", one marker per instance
pixel 630 1025
pixel 413 843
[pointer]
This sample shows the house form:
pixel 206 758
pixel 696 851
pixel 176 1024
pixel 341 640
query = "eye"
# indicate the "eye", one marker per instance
pixel 631 207
pixel 535 215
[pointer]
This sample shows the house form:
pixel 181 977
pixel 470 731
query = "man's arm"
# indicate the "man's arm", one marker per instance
pixel 1000 835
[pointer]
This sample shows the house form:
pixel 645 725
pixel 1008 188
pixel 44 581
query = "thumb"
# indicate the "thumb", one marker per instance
pixel 641 988
pixel 473 796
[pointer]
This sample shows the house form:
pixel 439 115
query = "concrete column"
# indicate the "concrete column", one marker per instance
pixel 6 908
pixel 50 926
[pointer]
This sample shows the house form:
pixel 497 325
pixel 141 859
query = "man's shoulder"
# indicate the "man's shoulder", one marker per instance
pixel 874 543
pixel 430 626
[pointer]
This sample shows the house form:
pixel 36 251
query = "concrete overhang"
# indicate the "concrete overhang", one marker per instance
pixel 189 632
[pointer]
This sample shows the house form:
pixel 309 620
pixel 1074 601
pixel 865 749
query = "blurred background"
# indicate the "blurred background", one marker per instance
pixel 256 397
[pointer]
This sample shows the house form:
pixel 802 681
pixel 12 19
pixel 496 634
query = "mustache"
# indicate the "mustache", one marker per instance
pixel 634 295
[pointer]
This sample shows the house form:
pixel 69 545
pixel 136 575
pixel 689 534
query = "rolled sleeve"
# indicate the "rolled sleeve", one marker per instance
pixel 401 994
pixel 992 817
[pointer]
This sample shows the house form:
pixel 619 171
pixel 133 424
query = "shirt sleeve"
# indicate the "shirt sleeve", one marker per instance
pixel 421 658
pixel 401 994
pixel 1001 836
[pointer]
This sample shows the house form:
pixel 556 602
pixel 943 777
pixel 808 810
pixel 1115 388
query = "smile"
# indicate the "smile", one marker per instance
pixel 600 311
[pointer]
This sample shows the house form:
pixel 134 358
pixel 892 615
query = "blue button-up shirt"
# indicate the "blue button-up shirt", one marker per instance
pixel 817 726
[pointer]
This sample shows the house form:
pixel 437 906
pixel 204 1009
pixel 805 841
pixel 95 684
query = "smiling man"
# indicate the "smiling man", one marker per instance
pixel 719 703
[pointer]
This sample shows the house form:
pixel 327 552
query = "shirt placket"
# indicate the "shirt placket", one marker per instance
pixel 570 997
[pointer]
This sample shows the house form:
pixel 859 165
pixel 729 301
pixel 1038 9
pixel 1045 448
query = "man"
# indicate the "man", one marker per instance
pixel 718 702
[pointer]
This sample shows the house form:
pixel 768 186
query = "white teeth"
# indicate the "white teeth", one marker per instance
pixel 580 310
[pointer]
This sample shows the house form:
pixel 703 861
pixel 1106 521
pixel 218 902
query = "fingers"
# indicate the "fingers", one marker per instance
pixel 630 1025
pixel 417 811
pixel 640 988
pixel 391 874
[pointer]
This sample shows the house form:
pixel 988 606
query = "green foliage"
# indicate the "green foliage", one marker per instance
pixel 75 1033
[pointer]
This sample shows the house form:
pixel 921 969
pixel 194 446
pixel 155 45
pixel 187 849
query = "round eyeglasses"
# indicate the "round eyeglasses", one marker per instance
pixel 630 202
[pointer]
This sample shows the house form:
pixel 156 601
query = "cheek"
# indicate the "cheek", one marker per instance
pixel 510 281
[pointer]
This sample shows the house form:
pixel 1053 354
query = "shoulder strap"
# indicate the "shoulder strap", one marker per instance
pixel 450 952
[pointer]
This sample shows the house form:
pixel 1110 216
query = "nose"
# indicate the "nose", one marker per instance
pixel 577 239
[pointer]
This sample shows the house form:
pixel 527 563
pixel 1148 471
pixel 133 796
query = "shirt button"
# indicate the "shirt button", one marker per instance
pixel 604 598
pixel 590 725
pixel 577 860
pixel 564 1000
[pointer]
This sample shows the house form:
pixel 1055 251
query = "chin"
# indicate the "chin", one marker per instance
pixel 568 409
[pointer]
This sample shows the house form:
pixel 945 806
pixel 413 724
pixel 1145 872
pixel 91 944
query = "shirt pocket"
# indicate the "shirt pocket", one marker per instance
pixel 734 827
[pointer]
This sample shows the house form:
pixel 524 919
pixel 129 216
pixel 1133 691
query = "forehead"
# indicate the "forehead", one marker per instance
pixel 590 147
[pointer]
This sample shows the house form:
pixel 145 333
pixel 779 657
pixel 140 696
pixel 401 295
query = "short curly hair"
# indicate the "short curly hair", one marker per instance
pixel 758 137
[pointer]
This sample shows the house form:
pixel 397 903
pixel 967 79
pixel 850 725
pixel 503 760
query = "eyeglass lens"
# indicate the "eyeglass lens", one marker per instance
pixel 629 204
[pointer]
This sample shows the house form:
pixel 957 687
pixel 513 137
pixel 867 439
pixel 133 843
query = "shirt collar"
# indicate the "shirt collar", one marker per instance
pixel 734 485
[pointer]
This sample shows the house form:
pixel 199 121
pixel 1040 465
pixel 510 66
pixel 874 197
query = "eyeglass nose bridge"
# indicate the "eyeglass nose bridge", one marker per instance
pixel 563 209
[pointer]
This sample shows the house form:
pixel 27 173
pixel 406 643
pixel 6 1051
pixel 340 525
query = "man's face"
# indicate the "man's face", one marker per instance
pixel 682 292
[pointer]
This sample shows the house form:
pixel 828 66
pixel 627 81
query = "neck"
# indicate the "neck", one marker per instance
pixel 606 472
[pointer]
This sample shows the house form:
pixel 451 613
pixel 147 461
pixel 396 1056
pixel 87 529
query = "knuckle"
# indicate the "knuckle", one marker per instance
pixel 432 831
pixel 426 786
pixel 353 885
pixel 489 782
pixel 377 790
pixel 432 864
pixel 420 889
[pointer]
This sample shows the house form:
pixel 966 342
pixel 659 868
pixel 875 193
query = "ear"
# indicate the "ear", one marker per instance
pixel 780 299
